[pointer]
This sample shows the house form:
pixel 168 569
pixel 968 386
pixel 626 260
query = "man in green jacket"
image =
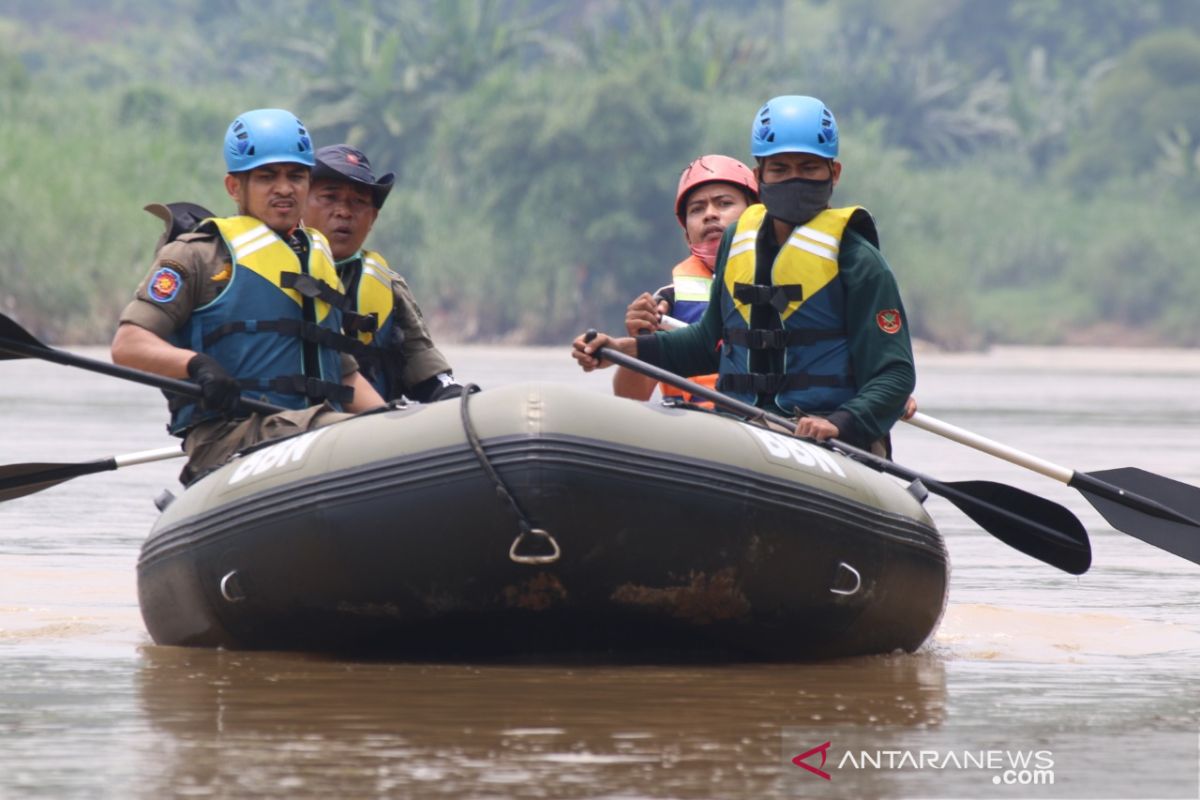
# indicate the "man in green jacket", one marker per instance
pixel 805 316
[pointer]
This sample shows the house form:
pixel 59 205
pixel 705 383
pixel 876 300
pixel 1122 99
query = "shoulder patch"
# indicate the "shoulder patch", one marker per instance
pixel 889 320
pixel 164 285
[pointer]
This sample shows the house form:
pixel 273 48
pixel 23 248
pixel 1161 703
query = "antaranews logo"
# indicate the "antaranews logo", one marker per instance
pixel 823 749
pixel 1008 767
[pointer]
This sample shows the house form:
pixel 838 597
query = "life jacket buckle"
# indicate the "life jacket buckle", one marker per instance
pixel 780 299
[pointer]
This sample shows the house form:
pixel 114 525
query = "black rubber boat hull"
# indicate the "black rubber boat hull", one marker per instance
pixel 661 551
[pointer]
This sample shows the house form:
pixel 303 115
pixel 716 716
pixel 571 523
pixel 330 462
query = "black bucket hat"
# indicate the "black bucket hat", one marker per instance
pixel 343 162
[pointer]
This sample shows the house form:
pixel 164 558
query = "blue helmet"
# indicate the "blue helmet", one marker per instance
pixel 267 136
pixel 794 123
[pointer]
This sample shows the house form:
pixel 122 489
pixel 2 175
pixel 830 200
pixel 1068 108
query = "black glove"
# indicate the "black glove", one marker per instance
pixel 221 391
pixel 449 391
pixel 439 387
pixel 446 392
pixel 666 293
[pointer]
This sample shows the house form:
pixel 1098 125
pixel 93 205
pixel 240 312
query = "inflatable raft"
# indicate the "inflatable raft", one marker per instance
pixel 540 519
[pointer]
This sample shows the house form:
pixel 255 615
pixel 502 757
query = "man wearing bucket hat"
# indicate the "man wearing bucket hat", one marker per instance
pixel 804 308
pixel 713 192
pixel 343 203
pixel 249 303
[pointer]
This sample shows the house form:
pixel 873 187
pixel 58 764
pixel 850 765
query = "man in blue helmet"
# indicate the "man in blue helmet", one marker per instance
pixel 249 303
pixel 343 203
pixel 804 317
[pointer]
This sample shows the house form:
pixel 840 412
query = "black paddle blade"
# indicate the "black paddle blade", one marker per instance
pixel 1034 525
pixel 13 332
pixel 1179 534
pixel 19 480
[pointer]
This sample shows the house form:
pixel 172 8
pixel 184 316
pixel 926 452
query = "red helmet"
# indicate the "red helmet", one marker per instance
pixel 714 169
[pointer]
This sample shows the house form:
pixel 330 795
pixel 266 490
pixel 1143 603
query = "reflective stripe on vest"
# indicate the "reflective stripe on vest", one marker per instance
pixel 256 247
pixel 257 329
pixel 807 294
pixel 375 295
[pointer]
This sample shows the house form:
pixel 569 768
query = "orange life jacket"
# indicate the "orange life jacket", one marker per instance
pixel 692 280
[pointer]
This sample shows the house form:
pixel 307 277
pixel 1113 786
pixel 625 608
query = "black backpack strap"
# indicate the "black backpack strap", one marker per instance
pixel 180 218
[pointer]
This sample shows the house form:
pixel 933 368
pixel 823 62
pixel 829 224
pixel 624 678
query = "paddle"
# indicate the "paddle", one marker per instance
pixel 1034 525
pixel 18 480
pixel 16 342
pixel 1158 510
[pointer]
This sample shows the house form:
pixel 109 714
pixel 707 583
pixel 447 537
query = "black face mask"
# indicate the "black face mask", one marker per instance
pixel 796 200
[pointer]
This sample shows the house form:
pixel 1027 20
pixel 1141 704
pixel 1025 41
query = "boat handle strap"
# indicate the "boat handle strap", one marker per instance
pixel 527 531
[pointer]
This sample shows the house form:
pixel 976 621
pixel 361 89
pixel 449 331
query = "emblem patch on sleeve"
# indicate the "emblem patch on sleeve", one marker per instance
pixel 889 320
pixel 164 285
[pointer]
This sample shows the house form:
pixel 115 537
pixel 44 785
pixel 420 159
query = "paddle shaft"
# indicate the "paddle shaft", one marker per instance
pixel 146 456
pixel 1076 480
pixel 1011 454
pixel 172 385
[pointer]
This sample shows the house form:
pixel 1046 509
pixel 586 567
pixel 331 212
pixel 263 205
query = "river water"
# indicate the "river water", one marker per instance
pixel 1095 674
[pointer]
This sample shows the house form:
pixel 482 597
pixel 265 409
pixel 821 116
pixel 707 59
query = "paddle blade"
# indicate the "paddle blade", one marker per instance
pixel 19 480
pixel 11 331
pixel 1179 535
pixel 1034 525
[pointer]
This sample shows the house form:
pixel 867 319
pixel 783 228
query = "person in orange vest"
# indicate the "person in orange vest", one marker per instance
pixel 713 192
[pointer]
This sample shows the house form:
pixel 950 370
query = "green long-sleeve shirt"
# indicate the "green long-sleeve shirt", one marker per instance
pixel 882 362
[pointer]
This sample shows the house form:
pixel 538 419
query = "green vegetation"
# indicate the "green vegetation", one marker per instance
pixel 1034 165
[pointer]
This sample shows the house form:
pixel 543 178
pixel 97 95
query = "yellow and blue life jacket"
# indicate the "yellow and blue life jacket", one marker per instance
pixel 369 281
pixel 275 306
pixel 807 297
